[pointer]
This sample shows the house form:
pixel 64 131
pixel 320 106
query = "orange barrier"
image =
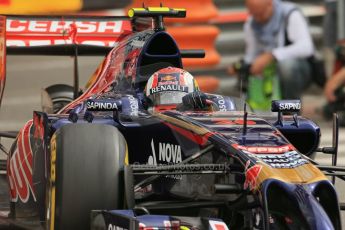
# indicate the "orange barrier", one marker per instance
pixel 207 84
pixel 197 37
pixel 39 7
pixel 197 10
pixel 231 17
pixel 57 6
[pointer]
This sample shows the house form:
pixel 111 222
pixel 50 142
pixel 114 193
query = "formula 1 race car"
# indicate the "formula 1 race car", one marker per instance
pixel 104 160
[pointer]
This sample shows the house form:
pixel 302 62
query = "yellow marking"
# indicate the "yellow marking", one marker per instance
pixel 184 228
pixel 158 9
pixel 52 182
pixel 126 156
pixel 132 11
pixel 179 9
pixel 41 7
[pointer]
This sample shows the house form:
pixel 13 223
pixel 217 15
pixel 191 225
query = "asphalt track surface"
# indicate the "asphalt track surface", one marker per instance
pixel 27 75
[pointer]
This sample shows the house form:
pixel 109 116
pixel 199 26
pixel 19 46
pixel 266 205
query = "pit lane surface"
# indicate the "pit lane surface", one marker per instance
pixel 26 76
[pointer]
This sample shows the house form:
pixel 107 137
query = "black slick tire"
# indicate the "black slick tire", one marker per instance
pixel 85 174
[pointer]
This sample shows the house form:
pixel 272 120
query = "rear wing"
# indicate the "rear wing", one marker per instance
pixel 59 35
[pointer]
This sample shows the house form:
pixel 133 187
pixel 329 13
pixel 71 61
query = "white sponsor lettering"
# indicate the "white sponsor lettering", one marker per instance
pixel 38 26
pixel 169 88
pixel 15 43
pixel 60 42
pixel 39 43
pixel 289 106
pixel 134 105
pixel 113 227
pixel 91 105
pixel 87 27
pixel 170 153
pixel 56 26
pixel 23 43
pixel 93 43
pixel 221 103
pixel 109 27
pixel 35 26
pixel 15 25
pixel 290 159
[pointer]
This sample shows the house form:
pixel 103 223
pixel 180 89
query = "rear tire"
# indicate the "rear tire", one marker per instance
pixel 86 166
pixel 60 96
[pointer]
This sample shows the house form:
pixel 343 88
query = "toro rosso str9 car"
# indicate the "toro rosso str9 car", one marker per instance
pixel 101 159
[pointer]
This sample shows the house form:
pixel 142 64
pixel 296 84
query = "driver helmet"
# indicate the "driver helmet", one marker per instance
pixel 166 87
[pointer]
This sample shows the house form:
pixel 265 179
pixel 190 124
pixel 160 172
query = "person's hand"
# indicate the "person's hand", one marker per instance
pixel 197 99
pixel 333 83
pixel 231 71
pixel 330 87
pixel 260 63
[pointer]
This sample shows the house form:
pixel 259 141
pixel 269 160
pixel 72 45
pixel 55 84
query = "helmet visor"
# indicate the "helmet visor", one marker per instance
pixel 168 97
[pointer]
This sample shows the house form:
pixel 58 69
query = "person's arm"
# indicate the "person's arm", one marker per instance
pixel 251 43
pixel 298 34
pixel 251 47
pixel 333 83
pixel 253 56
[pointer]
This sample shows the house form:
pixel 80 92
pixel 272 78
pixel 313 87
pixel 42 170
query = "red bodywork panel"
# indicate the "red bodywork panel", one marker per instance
pixel 2 55
pixel 19 167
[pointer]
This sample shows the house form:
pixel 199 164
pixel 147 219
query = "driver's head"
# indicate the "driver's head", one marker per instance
pixel 261 10
pixel 166 87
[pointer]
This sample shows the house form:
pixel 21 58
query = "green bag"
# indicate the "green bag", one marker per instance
pixel 263 89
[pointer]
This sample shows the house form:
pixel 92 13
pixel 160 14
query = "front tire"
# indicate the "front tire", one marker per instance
pixel 85 174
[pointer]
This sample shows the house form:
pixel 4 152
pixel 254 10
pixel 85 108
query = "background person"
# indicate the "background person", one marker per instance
pixel 335 95
pixel 330 34
pixel 333 84
pixel 278 31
